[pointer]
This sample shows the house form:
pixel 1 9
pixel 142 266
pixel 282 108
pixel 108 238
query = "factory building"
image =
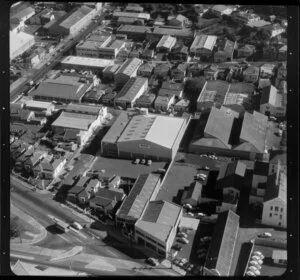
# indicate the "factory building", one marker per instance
pixel 19 43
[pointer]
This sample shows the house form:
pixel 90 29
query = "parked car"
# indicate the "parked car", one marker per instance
pixel 189 206
pixel 177 247
pixel 256 258
pixel 206 168
pixel 176 262
pixel 182 234
pixel 190 267
pixel 152 261
pixel 190 214
pixel 258 253
pixel 200 214
pixel 77 226
pixel 143 161
pixel 137 161
pixel 183 261
pixel 149 162
pixel 250 273
pixel 183 240
pixel 265 234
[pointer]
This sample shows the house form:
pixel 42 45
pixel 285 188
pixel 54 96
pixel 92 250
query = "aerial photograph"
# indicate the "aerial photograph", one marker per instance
pixel 148 139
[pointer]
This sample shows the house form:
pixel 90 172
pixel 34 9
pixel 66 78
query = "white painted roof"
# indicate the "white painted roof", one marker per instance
pixel 87 61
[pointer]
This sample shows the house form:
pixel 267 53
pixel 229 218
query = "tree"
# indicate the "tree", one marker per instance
pixel 15 228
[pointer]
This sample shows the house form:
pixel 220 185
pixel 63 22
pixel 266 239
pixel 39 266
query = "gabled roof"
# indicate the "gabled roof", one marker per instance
pixel 193 192
pixel 219 125
pixel 82 181
pixel 223 241
pixel 254 130
pixel 232 168
pixel 204 42
pixel 129 66
pixel 269 96
pixel 276 187
pixel 76 190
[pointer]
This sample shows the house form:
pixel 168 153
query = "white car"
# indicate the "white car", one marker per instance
pixel 183 261
pixel 182 234
pixel 258 253
pixel 265 234
pixel 183 240
pixel 152 261
pixel 256 258
pixel 250 273
pixel 200 214
pixel 253 269
pixel 190 214
pixel 189 206
pixel 77 226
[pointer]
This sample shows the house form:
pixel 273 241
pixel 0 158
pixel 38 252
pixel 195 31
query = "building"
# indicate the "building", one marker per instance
pixel 179 20
pixel 279 257
pixel 93 110
pixel 213 93
pixel 230 179
pixel 163 103
pixel 73 21
pixel 182 33
pixel 143 16
pixel 246 50
pixel 42 17
pixel 75 126
pixel 170 88
pixel 162 71
pixel 166 43
pixel 17 20
pixel 275 198
pixel 192 194
pixel 272 102
pixel 182 105
pixel 134 205
pixel 19 43
pixel 144 136
pixel 238 93
pixel 211 72
pixel 86 63
pixel 251 74
pixel 128 70
pixel 225 52
pixel 146 70
pixel 220 253
pixel 277 160
pixel 131 91
pixel 245 17
pixel 134 31
pixel 267 70
pixel 106 201
pixel 203 46
pixel 133 7
pixel 282 53
pixel 178 73
pixel 100 46
pixel 156 228
pixel 109 72
pixel 220 10
pixel 63 88
pixel 145 100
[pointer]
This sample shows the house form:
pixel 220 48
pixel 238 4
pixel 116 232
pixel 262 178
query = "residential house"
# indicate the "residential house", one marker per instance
pixel 162 71
pixel 169 87
pixel 262 83
pixel 179 72
pixel 272 102
pixel 259 179
pixel 251 74
pixel 225 51
pixel 86 194
pixel 108 99
pixel 146 70
pixel 211 72
pixel 275 201
pixel 182 105
pixel 159 21
pixel 146 100
pixel 279 257
pixel 179 53
pixel 246 50
pixel 114 182
pixel 282 53
pixel 163 103
pixel 147 54
pixel 179 20
pixel 106 201
pixel 267 70
pixel 192 194
pixel 34 159
pixel 73 193
pixel 222 246
pixel 269 52
pixel 277 160
pixel 220 10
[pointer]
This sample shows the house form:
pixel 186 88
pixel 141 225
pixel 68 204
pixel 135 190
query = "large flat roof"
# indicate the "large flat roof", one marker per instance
pixel 131 89
pixel 139 195
pixel 173 32
pixel 159 218
pixel 18 41
pixel 214 91
pixel 88 61
pixel 83 108
pixel 75 16
pixel 74 121
pixel 161 130
pixel 134 28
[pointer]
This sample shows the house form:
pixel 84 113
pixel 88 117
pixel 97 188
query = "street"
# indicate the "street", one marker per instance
pixel 95 252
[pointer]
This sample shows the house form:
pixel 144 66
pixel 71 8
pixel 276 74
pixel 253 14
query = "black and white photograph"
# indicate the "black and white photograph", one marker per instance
pixel 149 139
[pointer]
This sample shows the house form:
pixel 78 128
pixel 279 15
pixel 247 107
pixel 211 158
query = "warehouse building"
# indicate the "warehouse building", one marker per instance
pixel 134 31
pixel 203 45
pixel 157 227
pixel 86 63
pixel 93 110
pixel 128 70
pixel 131 91
pixel 64 89
pixel 109 72
pixel 183 33
pixel 144 136
pixel 166 43
pixel 145 189
pixel 144 16
pixel 101 46
pixel 18 16
pixel 19 43
pixel 73 21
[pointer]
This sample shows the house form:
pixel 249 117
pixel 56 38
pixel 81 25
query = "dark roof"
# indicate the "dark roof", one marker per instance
pixel 193 192
pixel 82 181
pixel 140 193
pixel 232 168
pixel 76 190
pixel 276 187
pixel 275 156
pixel 172 86
pixel 261 168
pixel 105 197
pixel 222 245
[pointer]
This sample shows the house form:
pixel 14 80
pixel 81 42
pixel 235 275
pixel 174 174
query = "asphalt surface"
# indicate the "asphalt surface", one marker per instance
pixel 56 59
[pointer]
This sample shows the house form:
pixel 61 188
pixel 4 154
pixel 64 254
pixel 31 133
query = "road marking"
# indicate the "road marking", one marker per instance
pixel 65 239
pixel 21 256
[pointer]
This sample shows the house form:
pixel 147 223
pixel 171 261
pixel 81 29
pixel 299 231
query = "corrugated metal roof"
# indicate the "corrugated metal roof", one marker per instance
pixel 219 125
pixel 129 66
pixel 74 121
pixel 134 28
pixel 223 241
pixel 166 41
pixel 139 195
pixel 204 41
pixel 75 16
pixel 82 108
pixel 254 130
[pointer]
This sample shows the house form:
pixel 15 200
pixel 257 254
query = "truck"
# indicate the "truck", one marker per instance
pixel 60 224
